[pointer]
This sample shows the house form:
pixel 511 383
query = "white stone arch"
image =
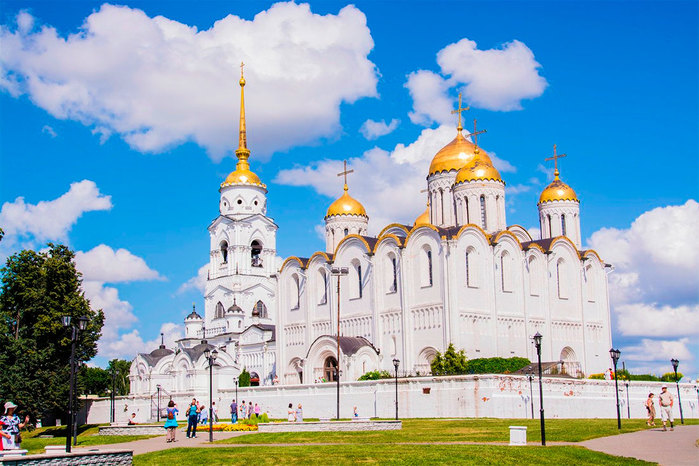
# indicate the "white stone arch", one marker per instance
pixel 219 311
pixel 294 372
pixel 424 359
pixel 571 364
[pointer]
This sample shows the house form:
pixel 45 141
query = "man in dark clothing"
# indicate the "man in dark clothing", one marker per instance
pixel 234 412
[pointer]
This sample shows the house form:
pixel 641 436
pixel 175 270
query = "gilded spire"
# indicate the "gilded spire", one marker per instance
pixel 243 152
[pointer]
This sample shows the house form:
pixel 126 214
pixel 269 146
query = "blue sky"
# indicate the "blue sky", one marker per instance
pixel 144 109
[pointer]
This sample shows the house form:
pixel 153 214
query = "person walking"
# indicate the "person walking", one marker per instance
pixel 171 422
pixel 666 402
pixel 257 410
pixel 214 412
pixel 234 412
pixel 203 415
pixel 299 413
pixel 650 409
pixel 243 410
pixel 11 425
pixel 291 413
pixel 192 415
pixel 250 410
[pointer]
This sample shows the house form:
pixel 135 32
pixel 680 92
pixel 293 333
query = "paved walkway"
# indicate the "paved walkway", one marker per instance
pixel 676 448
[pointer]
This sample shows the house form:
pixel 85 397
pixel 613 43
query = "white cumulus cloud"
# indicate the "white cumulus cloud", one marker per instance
pixel 197 282
pixel 493 79
pixel 157 82
pixel 31 224
pixel 104 264
pixel 374 129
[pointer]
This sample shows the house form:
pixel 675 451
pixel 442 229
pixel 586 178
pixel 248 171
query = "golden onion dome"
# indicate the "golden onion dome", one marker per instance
pixel 480 168
pixel 244 176
pixel 558 191
pixel 346 205
pixel 424 218
pixel 454 155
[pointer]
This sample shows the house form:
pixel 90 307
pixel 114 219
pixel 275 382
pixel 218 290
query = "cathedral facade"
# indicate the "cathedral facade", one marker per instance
pixel 459 274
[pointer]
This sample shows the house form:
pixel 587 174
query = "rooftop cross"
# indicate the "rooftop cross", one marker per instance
pixel 555 158
pixel 459 110
pixel 345 172
pixel 475 133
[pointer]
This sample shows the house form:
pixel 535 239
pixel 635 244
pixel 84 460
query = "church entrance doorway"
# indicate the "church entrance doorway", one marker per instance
pixel 254 379
pixel 330 369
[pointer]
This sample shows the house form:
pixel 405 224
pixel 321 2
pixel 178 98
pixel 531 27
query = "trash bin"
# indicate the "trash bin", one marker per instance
pixel 518 435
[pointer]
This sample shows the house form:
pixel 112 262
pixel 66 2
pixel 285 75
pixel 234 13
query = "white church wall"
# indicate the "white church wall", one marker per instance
pixel 496 396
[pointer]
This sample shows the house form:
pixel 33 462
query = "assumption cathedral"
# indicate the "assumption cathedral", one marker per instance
pixel 459 274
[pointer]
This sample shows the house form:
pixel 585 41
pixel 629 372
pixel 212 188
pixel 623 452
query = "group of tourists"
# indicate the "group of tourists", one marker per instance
pixel 666 402
pixel 295 415
pixel 196 414
pixel 244 411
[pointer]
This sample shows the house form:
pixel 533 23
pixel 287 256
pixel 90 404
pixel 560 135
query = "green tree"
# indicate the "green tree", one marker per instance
pixel 122 367
pixel 670 377
pixel 451 363
pixel 244 378
pixel 37 288
pixel 94 381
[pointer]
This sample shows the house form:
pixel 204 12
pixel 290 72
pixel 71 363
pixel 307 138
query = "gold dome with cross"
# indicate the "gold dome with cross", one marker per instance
pixel 346 204
pixel 557 190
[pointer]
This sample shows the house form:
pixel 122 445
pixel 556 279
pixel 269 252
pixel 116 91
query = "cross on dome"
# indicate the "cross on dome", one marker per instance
pixel 555 158
pixel 475 134
pixel 345 172
pixel 458 111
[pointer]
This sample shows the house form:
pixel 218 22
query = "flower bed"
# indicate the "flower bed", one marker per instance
pixel 231 428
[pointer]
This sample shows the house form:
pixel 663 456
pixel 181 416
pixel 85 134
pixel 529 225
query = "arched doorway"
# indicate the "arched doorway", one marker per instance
pixel 254 379
pixel 330 369
pixel 570 364
pixel 424 360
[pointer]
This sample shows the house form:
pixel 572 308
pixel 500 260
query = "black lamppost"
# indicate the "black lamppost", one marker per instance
pixel 537 343
pixel 530 376
pixel 157 416
pixel 211 359
pixel 75 331
pixel 676 363
pixel 338 272
pixel 628 406
pixel 395 364
pixel 236 401
pixel 113 394
pixel 615 354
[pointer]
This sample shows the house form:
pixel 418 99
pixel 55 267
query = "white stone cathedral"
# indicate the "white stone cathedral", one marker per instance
pixel 458 275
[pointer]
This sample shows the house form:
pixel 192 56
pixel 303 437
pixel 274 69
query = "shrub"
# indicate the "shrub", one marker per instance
pixel 596 376
pixel 496 365
pixel 375 375
pixel 244 378
pixel 452 363
pixel 670 377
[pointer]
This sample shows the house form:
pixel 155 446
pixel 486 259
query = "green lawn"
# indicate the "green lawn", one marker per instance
pixel 87 436
pixel 469 430
pixel 384 454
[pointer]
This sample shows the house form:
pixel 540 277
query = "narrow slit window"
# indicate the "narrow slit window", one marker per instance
pixel 483 215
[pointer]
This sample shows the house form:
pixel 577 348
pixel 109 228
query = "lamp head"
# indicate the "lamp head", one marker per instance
pixel 395 363
pixel 207 353
pixel 214 354
pixel 675 363
pixel 615 354
pixel 82 322
pixel 65 320
pixel 537 339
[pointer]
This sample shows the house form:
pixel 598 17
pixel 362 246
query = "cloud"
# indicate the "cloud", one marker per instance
pixel 158 83
pixel 197 282
pixel 31 224
pixel 49 130
pixel 104 264
pixel 654 290
pixel 388 184
pixel 493 79
pixel 374 129
pixel 659 350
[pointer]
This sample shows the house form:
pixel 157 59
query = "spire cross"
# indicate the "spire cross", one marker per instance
pixel 555 158
pixel 475 133
pixel 459 110
pixel 345 172
pixel 428 197
pixel 241 68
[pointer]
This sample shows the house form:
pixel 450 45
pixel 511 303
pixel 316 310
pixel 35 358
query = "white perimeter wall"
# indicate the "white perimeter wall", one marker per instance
pixel 497 396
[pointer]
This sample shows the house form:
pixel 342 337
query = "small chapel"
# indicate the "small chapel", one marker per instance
pixel 458 274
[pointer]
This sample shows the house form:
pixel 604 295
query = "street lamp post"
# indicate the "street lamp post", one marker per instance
pixel 676 363
pixel 338 272
pixel 236 401
pixel 395 364
pixel 211 359
pixel 615 354
pixel 530 376
pixel 75 331
pixel 537 343
pixel 113 397
pixel 157 416
pixel 628 406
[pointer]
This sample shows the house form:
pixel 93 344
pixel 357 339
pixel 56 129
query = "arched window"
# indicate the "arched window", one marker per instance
pixel 394 269
pixel 561 279
pixel 261 309
pixel 505 272
pixel 346 231
pixel 295 295
pixel 548 217
pixel 563 224
pixel 534 277
pixel 468 270
pixel 255 251
pixel 330 369
pixel 359 280
pixel 426 277
pixel 224 252
pixel 484 218
pixel 220 312
pixel 467 219
pixel 441 205
pixel 355 280
pixel 590 283
pixel 323 287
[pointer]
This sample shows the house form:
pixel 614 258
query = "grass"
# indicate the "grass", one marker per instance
pixel 87 436
pixel 470 430
pixel 384 454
